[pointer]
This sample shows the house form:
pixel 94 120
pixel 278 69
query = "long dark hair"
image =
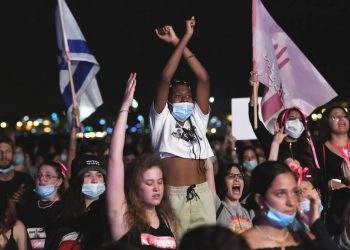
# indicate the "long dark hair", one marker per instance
pixel 325 130
pixel 7 214
pixel 264 174
pixel 304 143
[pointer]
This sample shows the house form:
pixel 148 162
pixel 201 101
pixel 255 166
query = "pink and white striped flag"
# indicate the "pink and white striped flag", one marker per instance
pixel 289 77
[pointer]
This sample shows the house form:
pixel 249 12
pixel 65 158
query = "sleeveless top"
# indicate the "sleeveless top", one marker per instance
pixel 151 238
pixel 11 243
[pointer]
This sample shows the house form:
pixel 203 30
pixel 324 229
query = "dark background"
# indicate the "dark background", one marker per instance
pixel 121 35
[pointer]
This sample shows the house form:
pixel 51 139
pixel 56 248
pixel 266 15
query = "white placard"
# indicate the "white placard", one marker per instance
pixel 241 127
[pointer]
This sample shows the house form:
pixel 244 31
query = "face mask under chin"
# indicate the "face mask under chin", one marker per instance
pixel 278 218
pixel 7 169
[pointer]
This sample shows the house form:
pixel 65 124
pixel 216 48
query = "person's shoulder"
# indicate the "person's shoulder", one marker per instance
pixel 19 228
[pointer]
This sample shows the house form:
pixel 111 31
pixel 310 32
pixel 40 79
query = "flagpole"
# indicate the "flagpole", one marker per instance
pixel 254 73
pixel 69 64
pixel 254 82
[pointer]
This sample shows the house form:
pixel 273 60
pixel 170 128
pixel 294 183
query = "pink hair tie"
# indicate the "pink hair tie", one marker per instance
pixel 299 171
pixel 63 168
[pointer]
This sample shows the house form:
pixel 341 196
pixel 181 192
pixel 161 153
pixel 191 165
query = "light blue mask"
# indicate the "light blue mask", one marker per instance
pixel 278 218
pixel 7 169
pixel 305 206
pixel 182 110
pixel 19 159
pixel 45 191
pixel 250 165
pixel 93 190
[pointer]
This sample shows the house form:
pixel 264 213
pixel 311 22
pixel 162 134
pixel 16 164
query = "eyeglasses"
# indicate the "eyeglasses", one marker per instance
pixel 235 176
pixel 46 176
pixel 337 118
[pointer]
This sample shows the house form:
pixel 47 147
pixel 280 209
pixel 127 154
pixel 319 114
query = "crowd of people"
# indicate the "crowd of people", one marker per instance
pixel 286 190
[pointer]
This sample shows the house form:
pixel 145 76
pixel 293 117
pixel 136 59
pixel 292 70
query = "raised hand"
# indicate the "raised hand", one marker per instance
pixel 167 34
pixel 16 197
pixel 253 78
pixel 190 26
pixel 129 92
pixel 311 216
pixel 279 134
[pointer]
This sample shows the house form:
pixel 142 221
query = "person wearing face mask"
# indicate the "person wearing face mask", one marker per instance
pixel 297 144
pixel 178 123
pixel 275 191
pixel 305 187
pixel 18 160
pixel 38 214
pixel 82 219
pixel 18 185
pixel 248 158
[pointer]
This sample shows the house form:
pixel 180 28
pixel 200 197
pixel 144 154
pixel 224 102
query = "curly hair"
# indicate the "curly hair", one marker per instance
pixel 136 214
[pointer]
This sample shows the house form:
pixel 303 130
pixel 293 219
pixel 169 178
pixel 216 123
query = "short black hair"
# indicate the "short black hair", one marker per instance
pixel 7 140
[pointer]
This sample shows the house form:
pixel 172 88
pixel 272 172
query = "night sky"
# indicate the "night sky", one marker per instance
pixel 121 36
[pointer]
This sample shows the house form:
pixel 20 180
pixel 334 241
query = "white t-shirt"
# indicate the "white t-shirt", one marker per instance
pixel 169 138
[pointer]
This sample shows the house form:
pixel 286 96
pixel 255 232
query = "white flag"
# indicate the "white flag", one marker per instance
pixel 84 64
pixel 289 77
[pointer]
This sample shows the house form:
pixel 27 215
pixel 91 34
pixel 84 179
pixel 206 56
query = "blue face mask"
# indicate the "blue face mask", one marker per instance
pixel 45 191
pixel 250 165
pixel 278 218
pixel 7 169
pixel 305 206
pixel 182 110
pixel 93 190
pixel 19 159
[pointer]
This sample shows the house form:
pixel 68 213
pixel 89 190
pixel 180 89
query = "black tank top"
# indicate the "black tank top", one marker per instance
pixel 11 244
pixel 152 238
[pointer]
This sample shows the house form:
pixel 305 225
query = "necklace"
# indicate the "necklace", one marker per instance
pixel 281 242
pixel 48 204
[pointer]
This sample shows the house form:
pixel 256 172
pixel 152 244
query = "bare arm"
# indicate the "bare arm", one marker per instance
pixel 210 176
pixel 276 142
pixel 167 34
pixel 116 202
pixel 72 150
pixel 20 235
pixel 203 83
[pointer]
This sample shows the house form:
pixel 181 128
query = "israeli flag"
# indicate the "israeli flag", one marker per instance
pixel 83 64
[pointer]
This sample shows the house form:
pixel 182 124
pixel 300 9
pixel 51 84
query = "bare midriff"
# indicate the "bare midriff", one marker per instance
pixel 184 172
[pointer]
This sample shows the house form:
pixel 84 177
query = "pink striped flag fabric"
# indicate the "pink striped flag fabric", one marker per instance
pixel 289 77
